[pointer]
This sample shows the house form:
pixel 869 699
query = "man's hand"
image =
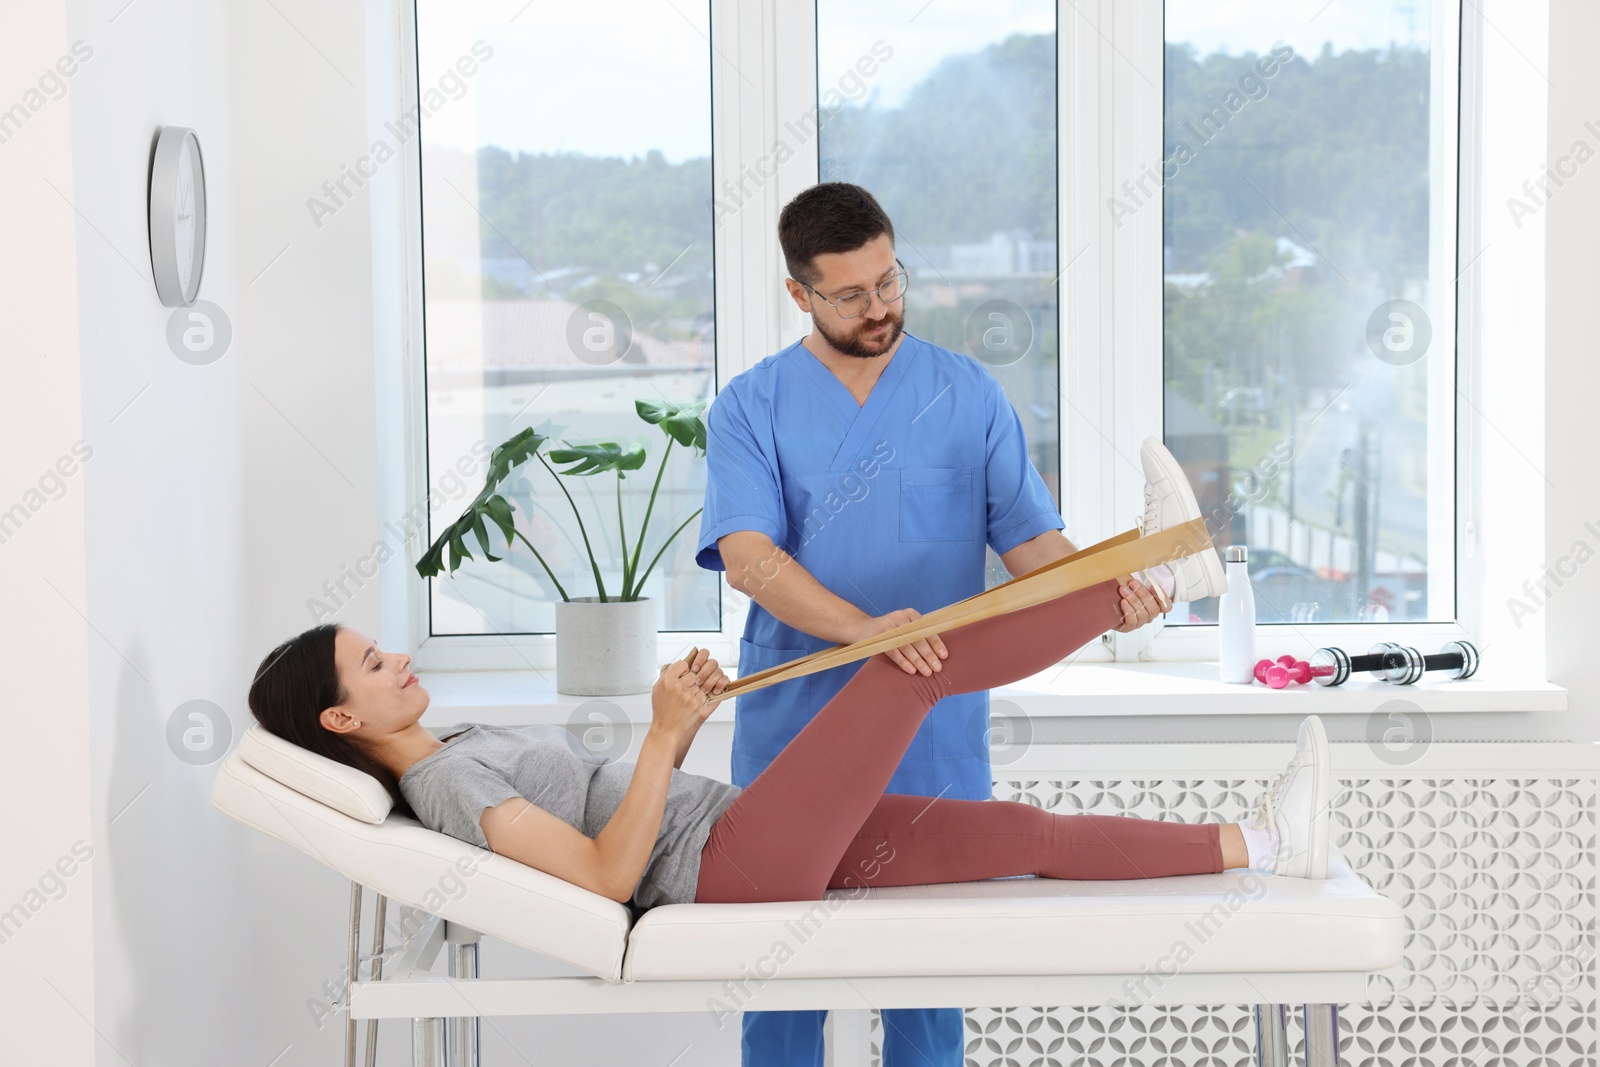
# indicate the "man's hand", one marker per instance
pixel 1140 603
pixel 919 657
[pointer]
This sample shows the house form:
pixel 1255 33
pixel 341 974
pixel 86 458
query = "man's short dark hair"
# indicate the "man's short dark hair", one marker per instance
pixel 830 218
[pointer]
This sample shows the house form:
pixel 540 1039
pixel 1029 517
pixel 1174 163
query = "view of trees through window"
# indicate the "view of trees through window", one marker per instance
pixel 1299 310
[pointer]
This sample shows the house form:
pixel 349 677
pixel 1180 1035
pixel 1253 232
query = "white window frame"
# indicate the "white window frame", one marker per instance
pixel 1110 124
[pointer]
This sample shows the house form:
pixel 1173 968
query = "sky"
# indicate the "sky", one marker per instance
pixel 622 77
pixel 1239 25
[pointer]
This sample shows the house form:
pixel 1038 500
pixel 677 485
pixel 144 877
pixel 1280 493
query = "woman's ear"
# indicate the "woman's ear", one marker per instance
pixel 338 720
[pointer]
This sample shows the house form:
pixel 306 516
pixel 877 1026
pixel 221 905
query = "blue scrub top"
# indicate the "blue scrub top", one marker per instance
pixel 889 505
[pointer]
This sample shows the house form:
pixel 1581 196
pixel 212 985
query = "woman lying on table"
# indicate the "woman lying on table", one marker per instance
pixel 816 818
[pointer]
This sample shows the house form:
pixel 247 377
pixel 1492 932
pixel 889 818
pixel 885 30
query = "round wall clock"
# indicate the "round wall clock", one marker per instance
pixel 177 216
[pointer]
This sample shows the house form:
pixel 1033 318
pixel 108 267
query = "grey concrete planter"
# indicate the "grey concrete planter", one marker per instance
pixel 605 649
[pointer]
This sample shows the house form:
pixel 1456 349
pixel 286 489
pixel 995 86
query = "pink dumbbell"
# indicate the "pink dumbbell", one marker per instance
pixel 1264 666
pixel 1284 670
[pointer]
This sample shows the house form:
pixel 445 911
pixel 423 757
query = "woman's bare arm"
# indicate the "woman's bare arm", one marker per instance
pixel 612 862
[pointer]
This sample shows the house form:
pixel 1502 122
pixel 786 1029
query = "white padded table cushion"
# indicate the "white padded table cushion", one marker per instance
pixel 344 788
pixel 1236 921
pixel 407 862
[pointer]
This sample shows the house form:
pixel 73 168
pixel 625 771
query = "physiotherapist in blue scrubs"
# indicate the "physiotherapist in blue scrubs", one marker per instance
pixel 855 478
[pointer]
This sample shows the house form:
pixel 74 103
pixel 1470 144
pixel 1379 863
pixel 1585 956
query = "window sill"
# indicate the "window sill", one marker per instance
pixel 1129 689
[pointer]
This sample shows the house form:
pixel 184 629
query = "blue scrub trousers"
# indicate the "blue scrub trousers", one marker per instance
pixel 912 1037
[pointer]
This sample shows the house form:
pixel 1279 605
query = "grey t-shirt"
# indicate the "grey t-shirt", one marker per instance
pixel 481 766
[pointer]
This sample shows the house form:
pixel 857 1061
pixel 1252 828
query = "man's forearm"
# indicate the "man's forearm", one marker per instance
pixel 1037 552
pixel 794 597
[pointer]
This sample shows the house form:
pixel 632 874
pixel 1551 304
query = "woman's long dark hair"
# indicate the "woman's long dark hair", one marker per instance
pixel 294 683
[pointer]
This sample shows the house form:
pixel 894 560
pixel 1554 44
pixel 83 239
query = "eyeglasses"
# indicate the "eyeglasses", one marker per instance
pixel 854 305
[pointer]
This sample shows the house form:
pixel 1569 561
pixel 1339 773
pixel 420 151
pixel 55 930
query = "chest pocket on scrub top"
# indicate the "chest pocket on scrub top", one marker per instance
pixel 940 504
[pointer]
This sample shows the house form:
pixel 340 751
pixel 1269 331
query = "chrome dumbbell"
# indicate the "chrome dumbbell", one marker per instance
pixel 1458 658
pixel 1396 664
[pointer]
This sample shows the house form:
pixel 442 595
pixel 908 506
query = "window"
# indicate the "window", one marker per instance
pixel 566 229
pixel 1231 226
pixel 1308 262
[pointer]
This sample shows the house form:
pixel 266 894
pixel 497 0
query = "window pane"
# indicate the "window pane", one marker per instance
pixel 1297 273
pixel 568 273
pixel 955 134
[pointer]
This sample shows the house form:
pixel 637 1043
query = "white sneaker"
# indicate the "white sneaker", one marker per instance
pixel 1294 810
pixel 1169 502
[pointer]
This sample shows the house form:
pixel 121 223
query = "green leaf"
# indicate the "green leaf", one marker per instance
pixel 499 511
pixel 653 411
pixel 482 534
pixel 491 506
pixel 681 421
pixel 512 453
pixel 457 550
pixel 597 458
pixel 687 428
pixel 432 560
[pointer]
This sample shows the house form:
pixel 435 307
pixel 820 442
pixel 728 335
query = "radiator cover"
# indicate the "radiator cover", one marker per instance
pixel 1489 848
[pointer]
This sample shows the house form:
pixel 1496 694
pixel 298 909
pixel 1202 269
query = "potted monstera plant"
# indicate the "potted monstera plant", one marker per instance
pixel 605 643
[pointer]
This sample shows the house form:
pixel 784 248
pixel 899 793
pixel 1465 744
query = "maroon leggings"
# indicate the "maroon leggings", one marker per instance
pixel 817 817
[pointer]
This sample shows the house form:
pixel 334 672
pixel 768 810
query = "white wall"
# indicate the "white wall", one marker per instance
pixel 47 990
pixel 219 498
pixel 218 501
pixel 1572 364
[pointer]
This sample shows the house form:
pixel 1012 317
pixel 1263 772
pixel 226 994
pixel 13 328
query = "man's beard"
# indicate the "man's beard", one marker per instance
pixel 857 343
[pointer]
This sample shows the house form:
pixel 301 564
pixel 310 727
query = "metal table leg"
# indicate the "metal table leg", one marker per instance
pixel 351 964
pixel 463 1031
pixel 1272 1036
pixel 379 918
pixel 1322 1035
pixel 427 1043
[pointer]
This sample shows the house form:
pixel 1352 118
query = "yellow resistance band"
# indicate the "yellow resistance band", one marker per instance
pixel 1123 554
